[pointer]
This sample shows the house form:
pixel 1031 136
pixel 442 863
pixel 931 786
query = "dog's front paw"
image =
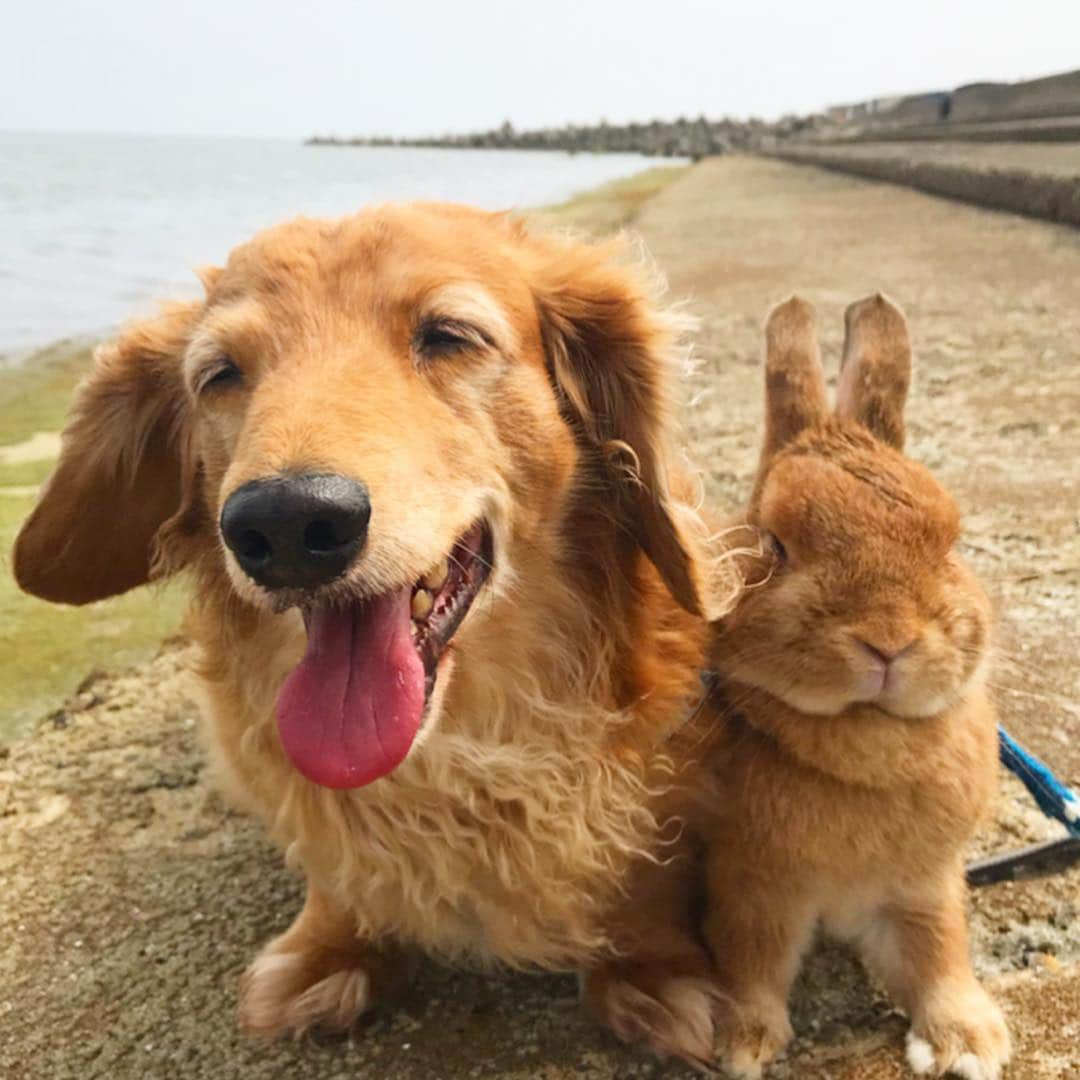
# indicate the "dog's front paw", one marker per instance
pixel 285 993
pixel 964 1037
pixel 288 992
pixel 672 1016
pixel 752 1036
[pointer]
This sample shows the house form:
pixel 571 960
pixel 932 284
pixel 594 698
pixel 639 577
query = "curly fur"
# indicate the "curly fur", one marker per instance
pixel 506 837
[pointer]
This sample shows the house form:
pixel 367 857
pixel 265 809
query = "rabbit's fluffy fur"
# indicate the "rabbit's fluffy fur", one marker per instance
pixel 859 745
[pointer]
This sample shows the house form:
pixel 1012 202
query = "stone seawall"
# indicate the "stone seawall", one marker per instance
pixel 1000 179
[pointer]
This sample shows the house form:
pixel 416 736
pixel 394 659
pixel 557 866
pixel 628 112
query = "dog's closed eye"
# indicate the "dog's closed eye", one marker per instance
pixel 439 336
pixel 219 374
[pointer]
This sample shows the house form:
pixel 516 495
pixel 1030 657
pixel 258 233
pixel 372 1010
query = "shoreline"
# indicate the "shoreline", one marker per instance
pixel 149 209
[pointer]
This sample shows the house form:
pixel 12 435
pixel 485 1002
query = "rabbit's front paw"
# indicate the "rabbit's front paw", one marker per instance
pixel 964 1037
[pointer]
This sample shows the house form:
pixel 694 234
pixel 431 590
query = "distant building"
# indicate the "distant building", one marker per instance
pixel 1052 96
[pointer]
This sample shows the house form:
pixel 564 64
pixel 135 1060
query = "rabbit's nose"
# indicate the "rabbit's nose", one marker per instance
pixel 886 654
pixel 880 673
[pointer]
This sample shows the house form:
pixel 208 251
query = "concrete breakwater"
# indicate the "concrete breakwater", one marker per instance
pixel 1037 181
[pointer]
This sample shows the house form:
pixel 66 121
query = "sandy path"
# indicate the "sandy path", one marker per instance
pixel 132 899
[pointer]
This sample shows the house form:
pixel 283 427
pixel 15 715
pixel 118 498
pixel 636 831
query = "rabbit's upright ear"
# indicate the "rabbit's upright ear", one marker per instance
pixel 875 371
pixel 794 379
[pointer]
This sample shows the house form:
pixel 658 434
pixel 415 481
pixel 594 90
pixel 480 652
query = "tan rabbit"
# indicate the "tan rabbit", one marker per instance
pixel 859 749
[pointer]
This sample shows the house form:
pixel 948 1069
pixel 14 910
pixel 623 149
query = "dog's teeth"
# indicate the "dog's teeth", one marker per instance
pixel 435 578
pixel 421 604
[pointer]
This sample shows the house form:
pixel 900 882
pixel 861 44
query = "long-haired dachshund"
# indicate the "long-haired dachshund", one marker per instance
pixel 450 592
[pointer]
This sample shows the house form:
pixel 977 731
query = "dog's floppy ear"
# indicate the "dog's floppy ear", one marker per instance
pixel 126 470
pixel 607 347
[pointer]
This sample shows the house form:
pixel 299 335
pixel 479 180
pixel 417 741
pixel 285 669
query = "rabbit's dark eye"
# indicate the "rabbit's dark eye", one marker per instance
pixel 777 548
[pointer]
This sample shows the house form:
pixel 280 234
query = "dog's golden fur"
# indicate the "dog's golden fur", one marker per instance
pixel 848 788
pixel 524 826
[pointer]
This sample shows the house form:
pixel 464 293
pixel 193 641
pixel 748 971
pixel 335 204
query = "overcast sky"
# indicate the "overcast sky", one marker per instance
pixel 272 68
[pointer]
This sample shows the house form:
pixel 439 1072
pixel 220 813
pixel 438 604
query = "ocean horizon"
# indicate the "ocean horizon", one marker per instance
pixel 97 227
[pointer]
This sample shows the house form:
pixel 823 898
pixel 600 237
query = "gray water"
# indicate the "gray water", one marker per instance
pixel 93 228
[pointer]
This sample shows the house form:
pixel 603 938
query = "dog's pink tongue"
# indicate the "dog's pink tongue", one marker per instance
pixel 350 710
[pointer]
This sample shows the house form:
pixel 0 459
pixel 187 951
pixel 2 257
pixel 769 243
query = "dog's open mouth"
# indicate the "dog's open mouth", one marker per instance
pixel 351 709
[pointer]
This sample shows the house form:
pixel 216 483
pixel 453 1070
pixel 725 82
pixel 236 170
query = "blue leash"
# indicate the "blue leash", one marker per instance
pixel 1055 800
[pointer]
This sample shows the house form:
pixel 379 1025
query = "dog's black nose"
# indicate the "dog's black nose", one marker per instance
pixel 296 530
